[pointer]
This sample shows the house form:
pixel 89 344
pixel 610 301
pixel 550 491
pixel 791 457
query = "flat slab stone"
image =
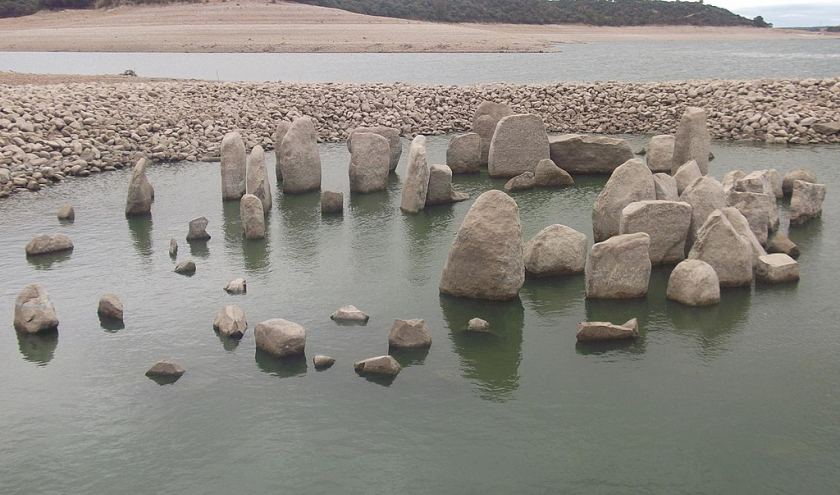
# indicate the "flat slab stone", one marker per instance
pixel 583 154
pixel 600 330
pixel 777 268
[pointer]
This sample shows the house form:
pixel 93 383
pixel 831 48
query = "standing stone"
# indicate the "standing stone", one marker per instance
pixel 34 311
pixel 730 179
pixel 279 134
pixel 198 229
pixel 369 155
pixel 666 222
pixel 230 321
pixel 380 365
pixel 755 182
pixel 630 182
pixel 280 337
pixel 350 313
pixel 619 268
pixel 601 330
pixel 487 117
pixel 692 140
pixel 463 155
pixel 332 202
pixel 777 268
pixel 780 243
pixel 522 182
pixel 47 244
pixel 173 248
pixel 409 334
pixel 742 227
pixel 555 251
pixel 548 174
pixel 705 195
pixel 394 142
pixel 233 166
pixel 719 245
pixel 798 174
pixel 518 145
pixel 806 201
pixel 694 283
pixel 582 154
pixel 252 217
pixel 666 187
pixel 776 182
pixel 237 286
pixel 416 184
pixel 660 153
pixel 299 160
pixel 759 210
pixel 110 306
pixel 67 213
pixel 139 199
pixel 440 187
pixel 257 178
pixel 686 174
pixel 485 260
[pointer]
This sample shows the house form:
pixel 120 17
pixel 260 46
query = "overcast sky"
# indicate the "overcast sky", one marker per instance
pixel 786 13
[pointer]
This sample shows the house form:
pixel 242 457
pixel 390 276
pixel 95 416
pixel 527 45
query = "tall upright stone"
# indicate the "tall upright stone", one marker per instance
pixel 463 154
pixel 720 245
pixel 518 145
pixel 440 187
pixel 252 217
pixel 233 167
pixel 660 153
pixel 299 160
pixel 487 116
pixel 390 134
pixel 279 134
pixel 416 183
pixel 630 182
pixel 666 222
pixel 705 195
pixel 139 199
pixel 619 268
pixel 692 140
pixel 257 182
pixel 369 157
pixel 806 201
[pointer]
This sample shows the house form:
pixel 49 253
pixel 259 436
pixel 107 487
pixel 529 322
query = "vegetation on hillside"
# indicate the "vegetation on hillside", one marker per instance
pixel 16 8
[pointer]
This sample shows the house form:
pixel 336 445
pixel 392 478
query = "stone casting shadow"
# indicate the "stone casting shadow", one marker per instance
pixel 38 348
pixel 409 357
pixel 284 367
pixel 228 343
pixel 549 296
pixel 164 380
pixel 711 326
pixel 110 325
pixel 46 261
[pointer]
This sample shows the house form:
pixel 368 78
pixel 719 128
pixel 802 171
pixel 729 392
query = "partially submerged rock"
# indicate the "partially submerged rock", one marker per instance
pixel 237 286
pixel 440 187
pixel 583 154
pixel 322 362
pixel 802 174
pixel 350 313
pixel 806 201
pixel 518 145
pixel 416 184
pixel 165 369
pixel 230 321
pixel 369 160
pixel 332 202
pixel 110 306
pixel 173 247
pixel 252 217
pixel 720 245
pixel 66 213
pixel 555 251
pixel 485 120
pixel 198 229
pixel 390 134
pixel 760 211
pixel 660 153
pixel 601 330
pixel 521 182
pixel 233 166
pixel 380 365
pixel 666 222
pixel 463 155
pixel 780 243
pixel 185 267
pixel 47 244
pixel 478 325
pixel 257 182
pixel 630 182
pixel 298 158
pixel 280 337
pixel 619 268
pixel 409 334
pixel 694 283
pixel 138 201
pixel 777 268
pixel 34 311
pixel 548 174
pixel 692 140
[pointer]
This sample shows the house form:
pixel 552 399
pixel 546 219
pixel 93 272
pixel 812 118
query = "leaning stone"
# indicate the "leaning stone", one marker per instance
pixel 165 369
pixel 660 153
pixel 440 187
pixel 806 201
pixel 257 178
pixel 332 202
pixel 237 286
pixel 139 198
pixel 692 140
pixel 198 229
pixel 350 313
pixel 322 362
pixel 173 247
pixel 66 212
pixel 279 134
pixel 730 179
pixel 601 330
pixel 380 365
pixel 518 145
pixel 416 184
pixel 777 268
pixel 409 334
pixel 686 174
pixel 233 166
pixel 550 175
pixel 252 217
pixel 666 222
pixel 705 195
pixel 582 154
pixel 694 283
pixel 463 155
pixel 521 182
pixel 46 244
pixel 394 142
pixel 719 245
pixel 485 120
pixel 555 251
pixel 619 268
pixel 485 260
pixel 742 227
pixel 798 174
pixel 299 159
pixel 34 311
pixel 665 187
pixel 630 182
pixel 110 306
pixel 185 267
pixel 230 321
pixel 759 210
pixel 369 155
pixel 780 243
pixel 280 337
pixel 478 325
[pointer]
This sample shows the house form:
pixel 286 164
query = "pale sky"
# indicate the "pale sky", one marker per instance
pixel 786 13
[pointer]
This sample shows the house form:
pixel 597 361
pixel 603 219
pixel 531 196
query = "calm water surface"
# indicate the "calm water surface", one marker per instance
pixel 739 398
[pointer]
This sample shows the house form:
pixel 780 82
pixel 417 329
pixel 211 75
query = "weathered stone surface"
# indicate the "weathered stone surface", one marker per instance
pixel 798 174
pixel 485 120
pixel 166 369
pixel 66 212
pixel 806 201
pixel 110 306
pixel 257 182
pixel 369 155
pixel 686 174
pixel 409 334
pixel 666 222
pixel 322 362
pixel 478 325
pixel 173 247
pixel 230 321
pixel 555 251
pixel 619 267
pixel 631 181
pixel 720 245
pixel 665 187
pixel 827 127
pixel 601 330
pixel 198 229
pixel 485 260
pixel 34 311
pixel 758 181
pixel 332 202
pixel 233 166
pixel 548 174
pixel 252 217
pixel 582 154
pixel 279 134
pixel 380 365
pixel 759 210
pixel 660 153
pixel 518 145
pixel 280 337
pixel 694 283
pixel 237 286
pixel 742 227
pixel 350 313
pixel 138 201
pixel 416 183
pixel 299 161
pixel 463 155
pixel 775 182
pixel 46 244
pixel 440 187
pixel 777 268
pixel 692 140
pixel 185 267
pixel 521 182
pixel 391 134
pixel 730 178
pixel 705 195
pixel 780 243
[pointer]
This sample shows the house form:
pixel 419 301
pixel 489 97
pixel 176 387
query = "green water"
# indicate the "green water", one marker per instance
pixel 742 397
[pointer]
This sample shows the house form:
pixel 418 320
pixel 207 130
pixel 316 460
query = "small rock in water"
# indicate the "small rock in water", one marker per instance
pixel 66 212
pixel 806 202
pixel 523 181
pixel 198 229
pixel 380 365
pixel 165 369
pixel 173 248
pixel 46 244
pixel 185 267
pixel 110 306
pixel 409 334
pixel 322 362
pixel 478 325
pixel 280 337
pixel 781 243
pixel 332 202
pixel 777 268
pixel 230 321
pixel 34 311
pixel 350 313
pixel 600 330
pixel 694 283
pixel 236 286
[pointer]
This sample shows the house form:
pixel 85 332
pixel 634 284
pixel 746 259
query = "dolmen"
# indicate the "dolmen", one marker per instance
pixel 298 161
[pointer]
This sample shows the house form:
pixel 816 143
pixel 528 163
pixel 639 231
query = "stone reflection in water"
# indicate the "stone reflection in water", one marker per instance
pixel 423 231
pixel 284 367
pixel 617 311
pixel 300 218
pixel 110 325
pixel 807 236
pixel 409 357
pixel 553 295
pixel 141 235
pixel 492 360
pixel 232 225
pixel 46 261
pixel 371 220
pixel 199 249
pixel 712 325
pixel 38 348
pixel 229 344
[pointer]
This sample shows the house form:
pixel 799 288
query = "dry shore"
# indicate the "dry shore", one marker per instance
pixel 262 26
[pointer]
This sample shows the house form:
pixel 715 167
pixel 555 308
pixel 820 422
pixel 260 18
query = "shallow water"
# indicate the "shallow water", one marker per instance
pixel 741 397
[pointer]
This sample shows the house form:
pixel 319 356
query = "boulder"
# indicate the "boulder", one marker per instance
pixel 780 243
pixel 390 134
pixel 299 161
pixel 555 251
pixel 550 175
pixel 173 248
pixel 631 181
pixel 666 222
pixel 742 227
pixel 322 362
pixel 777 268
pixel 521 182
pixel 237 286
pixel 380 365
pixel 485 120
pixel 518 145
pixel 798 174
pixel 46 244
pixel 806 201
pixel 601 330
pixel 198 229
pixel 350 313
pixel 138 201
pixel 230 321
pixel 257 178
pixel 332 202
pixel 581 154
pixel 485 260
pixel 463 155
pixel 409 334
pixel 165 369
pixel 660 153
pixel 776 182
pixel 478 325
pixel 185 267
pixel 666 187
pixel 826 127
pixel 758 181
pixel 280 337
pixel 34 311
pixel 416 184
pixel 440 187
pixel 705 195
pixel 694 283
pixel 252 217
pixel 730 179
pixel 369 155
pixel 692 140
pixel 67 213
pixel 233 166
pixel 279 134
pixel 720 245
pixel 686 174
pixel 759 210
pixel 619 268
pixel 110 306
